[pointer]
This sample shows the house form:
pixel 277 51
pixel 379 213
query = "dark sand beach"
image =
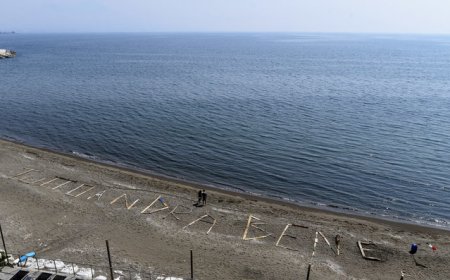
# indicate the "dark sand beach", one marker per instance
pixel 65 207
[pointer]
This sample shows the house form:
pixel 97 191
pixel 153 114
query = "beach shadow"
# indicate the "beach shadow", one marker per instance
pixel 419 264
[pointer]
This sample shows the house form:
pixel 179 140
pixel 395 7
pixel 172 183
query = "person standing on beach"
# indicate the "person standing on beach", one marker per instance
pixel 204 195
pixel 200 197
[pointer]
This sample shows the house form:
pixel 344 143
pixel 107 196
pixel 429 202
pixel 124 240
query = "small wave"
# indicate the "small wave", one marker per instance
pixel 83 155
pixel 11 138
pixel 440 222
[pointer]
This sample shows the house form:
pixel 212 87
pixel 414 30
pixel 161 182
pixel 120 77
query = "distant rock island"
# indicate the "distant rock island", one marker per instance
pixel 7 53
pixel 7 32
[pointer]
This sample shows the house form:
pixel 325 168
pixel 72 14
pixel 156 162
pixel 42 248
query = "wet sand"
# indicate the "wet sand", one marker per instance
pixel 66 207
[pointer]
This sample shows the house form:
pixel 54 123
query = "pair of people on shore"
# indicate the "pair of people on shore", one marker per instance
pixel 201 197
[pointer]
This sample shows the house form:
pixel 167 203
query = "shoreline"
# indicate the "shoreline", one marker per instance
pixel 65 207
pixel 390 221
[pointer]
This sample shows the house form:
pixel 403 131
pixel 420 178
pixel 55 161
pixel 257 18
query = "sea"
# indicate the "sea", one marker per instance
pixel 358 123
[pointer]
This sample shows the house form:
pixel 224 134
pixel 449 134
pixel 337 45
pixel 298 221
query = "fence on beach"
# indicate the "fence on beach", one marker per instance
pixel 90 271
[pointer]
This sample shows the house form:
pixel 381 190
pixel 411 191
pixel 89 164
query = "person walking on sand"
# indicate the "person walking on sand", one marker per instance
pixel 204 195
pixel 200 197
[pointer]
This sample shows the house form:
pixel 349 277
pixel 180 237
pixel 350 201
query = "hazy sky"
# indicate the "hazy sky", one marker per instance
pixel 391 16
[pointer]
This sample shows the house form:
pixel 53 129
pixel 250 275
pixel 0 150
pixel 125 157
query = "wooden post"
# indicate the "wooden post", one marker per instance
pixel 204 216
pixel 23 173
pixel 4 246
pixel 109 260
pixel 309 271
pixel 279 239
pixel 192 266
pixel 48 182
pixel 247 227
pixel 60 185
pixel 337 240
pixel 73 269
pixel 316 239
pixel 129 272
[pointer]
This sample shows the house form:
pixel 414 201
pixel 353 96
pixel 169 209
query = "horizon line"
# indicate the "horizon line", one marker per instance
pixel 13 32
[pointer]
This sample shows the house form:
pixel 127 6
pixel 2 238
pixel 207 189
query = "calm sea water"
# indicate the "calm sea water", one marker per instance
pixel 353 122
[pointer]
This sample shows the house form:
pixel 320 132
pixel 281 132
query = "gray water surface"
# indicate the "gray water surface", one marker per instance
pixel 359 122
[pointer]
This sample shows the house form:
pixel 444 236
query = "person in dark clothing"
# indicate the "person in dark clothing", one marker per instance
pixel 200 197
pixel 204 195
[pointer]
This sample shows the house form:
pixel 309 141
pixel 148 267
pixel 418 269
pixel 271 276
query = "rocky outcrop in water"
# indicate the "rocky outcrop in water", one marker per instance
pixel 7 53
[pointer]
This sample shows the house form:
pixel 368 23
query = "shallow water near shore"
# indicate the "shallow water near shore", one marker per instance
pixel 352 122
